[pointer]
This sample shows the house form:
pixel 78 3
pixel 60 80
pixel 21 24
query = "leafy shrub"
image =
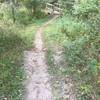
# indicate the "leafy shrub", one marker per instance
pixel 39 14
pixel 86 7
pixel 82 54
pixel 11 73
pixel 73 28
pixel 5 12
pixel 82 47
pixel 22 16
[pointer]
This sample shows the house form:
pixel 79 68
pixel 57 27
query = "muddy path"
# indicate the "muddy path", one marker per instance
pixel 38 80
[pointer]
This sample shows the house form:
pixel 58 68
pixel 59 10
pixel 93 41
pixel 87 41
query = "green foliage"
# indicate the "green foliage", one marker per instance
pixel 93 67
pixel 20 14
pixel 72 27
pixel 35 6
pixel 40 15
pixel 85 7
pixel 23 16
pixel 5 12
pixel 79 33
pixel 82 48
pixel 85 91
pixel 11 73
pixel 14 39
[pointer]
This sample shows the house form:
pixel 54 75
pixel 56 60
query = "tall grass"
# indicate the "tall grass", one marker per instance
pixel 14 40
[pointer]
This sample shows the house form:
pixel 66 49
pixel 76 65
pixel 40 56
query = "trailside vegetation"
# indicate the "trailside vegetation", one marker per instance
pixel 78 32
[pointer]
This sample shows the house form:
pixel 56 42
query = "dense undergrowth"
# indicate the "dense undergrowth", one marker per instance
pixel 78 33
pixel 14 39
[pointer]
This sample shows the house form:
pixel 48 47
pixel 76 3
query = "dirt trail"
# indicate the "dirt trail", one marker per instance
pixel 38 80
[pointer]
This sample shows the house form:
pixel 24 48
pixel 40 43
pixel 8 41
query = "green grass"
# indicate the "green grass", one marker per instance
pixel 53 34
pixel 54 40
pixel 41 21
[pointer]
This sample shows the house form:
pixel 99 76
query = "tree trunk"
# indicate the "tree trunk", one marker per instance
pixel 12 3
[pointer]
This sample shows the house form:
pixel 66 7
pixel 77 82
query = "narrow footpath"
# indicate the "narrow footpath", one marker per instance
pixel 38 80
